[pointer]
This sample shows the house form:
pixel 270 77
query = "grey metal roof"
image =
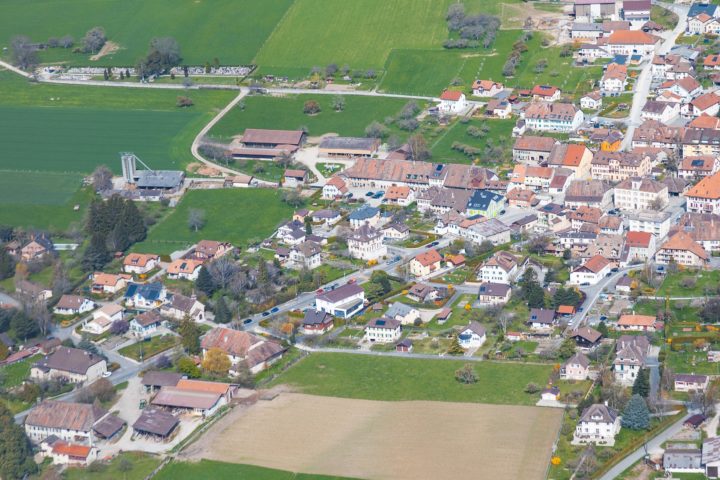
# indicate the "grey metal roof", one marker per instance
pixel 348 143
pixel 159 178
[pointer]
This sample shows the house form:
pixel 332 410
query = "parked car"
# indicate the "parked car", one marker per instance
pixel 247 320
pixel 369 194
pixel 275 310
pixel 266 314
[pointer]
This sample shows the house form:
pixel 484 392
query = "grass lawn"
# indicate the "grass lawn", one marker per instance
pixel 423 72
pixel 396 379
pixel 142 465
pixel 672 285
pixel 286 113
pixel 231 30
pixel 230 471
pixel 499 132
pixel 691 362
pixel 681 310
pixel 664 17
pixel 231 215
pixel 149 348
pixel 14 374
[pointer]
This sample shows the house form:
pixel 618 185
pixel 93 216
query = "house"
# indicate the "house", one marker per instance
pixel 632 42
pixel 307 255
pixel 108 282
pixel 591 10
pixel 103 319
pixel 257 352
pixel 343 302
pixel 704 228
pixel 366 243
pixel 498 108
pixel 146 323
pixel 576 367
pixel 326 216
pixel 687 88
pixel 365 215
pixel 155 422
pixel 637 12
pixel 485 203
pixel 541 319
pixel 179 307
pixel 490 293
pixel 682 458
pixel 532 149
pixel 73 305
pixel 651 221
pixel 502 267
pixel 637 323
pixel 591 101
pixel 711 456
pixel 492 230
pixel 553 117
pixel 636 193
pixel 586 337
pixel 396 231
pixel 704 197
pixel 334 188
pixel 294 178
pixel 316 323
pixel 712 62
pixel 693 168
pixel 32 291
pixel 598 424
pixel 586 30
pixel 690 383
pixel 702 24
pixel 574 157
pixel 185 269
pixel 400 195
pixel 71 364
pixel 547 93
pixel 268 144
pixel 614 80
pixel 625 285
pixel 383 330
pixel 209 250
pixel 64 453
pixel 140 263
pixel 71 422
pixel 590 193
pixel 38 247
pixel 405 314
pixel 705 104
pixel 443 200
pixel 486 88
pixel 630 357
pixel 422 293
pixel 662 112
pixel 700 141
pixel 472 336
pixel 425 263
pixel 591 272
pixel 404 346
pixel 452 102
pixel 145 296
pixel 639 247
pixel 683 250
pixel 348 147
pixel 522 198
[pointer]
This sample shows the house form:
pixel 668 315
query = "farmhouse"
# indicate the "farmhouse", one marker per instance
pixel 293 178
pixel 690 383
pixel 683 250
pixel 199 402
pixel 334 188
pixel 73 305
pixel 598 424
pixel 591 10
pixel 632 42
pixel 257 352
pixel 140 263
pixel 36 248
pixel 348 147
pixel 494 293
pixel 71 422
pixel 268 144
pixel 71 364
pixel 343 302
pixel 383 330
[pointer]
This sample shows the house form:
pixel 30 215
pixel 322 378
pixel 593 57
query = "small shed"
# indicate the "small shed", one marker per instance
pixel 404 346
pixel 156 422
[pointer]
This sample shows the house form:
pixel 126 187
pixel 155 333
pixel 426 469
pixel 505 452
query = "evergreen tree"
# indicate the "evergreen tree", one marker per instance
pixel 455 348
pixel 308 226
pixel 23 327
pixel 204 282
pixel 7 264
pixel 566 296
pixel 567 349
pixel 603 329
pixel 222 312
pixel 642 383
pixel 636 415
pixel 16 456
pixel 118 238
pixel 190 335
pixel 134 222
pixel 96 255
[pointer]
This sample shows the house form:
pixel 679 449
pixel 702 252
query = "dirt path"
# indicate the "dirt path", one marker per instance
pixel 386 440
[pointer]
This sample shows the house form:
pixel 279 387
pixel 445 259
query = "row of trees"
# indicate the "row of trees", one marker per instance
pixel 518 49
pixel 472 30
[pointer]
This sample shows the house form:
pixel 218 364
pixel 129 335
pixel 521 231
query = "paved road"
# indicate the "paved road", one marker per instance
pixel 14 69
pixel 638 454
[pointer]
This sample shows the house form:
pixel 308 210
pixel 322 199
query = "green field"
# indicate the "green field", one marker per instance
pixel 231 471
pixel 287 113
pixel 500 132
pixel 706 282
pixel 231 30
pixel 141 465
pixel 142 350
pixel 14 374
pixel 422 72
pixel 231 215
pixel 396 379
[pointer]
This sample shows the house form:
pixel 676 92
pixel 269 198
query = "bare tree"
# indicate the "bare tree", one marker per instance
pixel 222 271
pixel 503 320
pixel 24 53
pixel 39 312
pixel 196 219
pixel 657 204
pixel 102 178
pixel 419 150
pixel 705 400
pixel 94 40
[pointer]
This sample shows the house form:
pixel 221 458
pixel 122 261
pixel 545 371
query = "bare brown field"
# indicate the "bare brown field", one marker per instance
pixel 386 440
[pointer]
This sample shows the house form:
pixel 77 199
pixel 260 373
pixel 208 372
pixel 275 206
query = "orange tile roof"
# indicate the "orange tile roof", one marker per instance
pixel 544 90
pixel 636 320
pixel 452 95
pixel 139 259
pixel 108 279
pixel 203 386
pixel 71 449
pixel 705 101
pixel 596 263
pixel 428 258
pixel 574 155
pixel 397 192
pixel 485 84
pixel 712 61
pixel 705 121
pixel 631 37
pixel 707 188
pixel 683 241
pixel 183 266
pixel 638 239
pixel 566 309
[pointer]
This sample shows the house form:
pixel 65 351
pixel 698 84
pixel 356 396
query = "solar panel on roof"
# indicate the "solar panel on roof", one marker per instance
pixel 697 163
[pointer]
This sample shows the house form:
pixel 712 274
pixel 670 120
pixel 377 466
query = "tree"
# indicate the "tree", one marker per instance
pixel 537 245
pixel 532 388
pixel 705 400
pixel 96 255
pixel 186 366
pixel 94 40
pixel 196 219
pixel 642 383
pixel 222 312
pixel 3 351
pixel 190 336
pixel 204 282
pixel 16 455
pixel 102 390
pixel 311 107
pixel 338 103
pixel 102 178
pixel 61 284
pixel 183 101
pixel 118 327
pixel 603 329
pixel 308 226
pixel 7 264
pixel 567 349
pixel 418 148
pixel 24 53
pixel 331 70
pixel 216 362
pixel 455 348
pixel 164 54
pixel 376 130
pixel 292 198
pixel 466 374
pixel 23 327
pixel 710 312
pixel 565 296
pixel 636 415
pixel 657 204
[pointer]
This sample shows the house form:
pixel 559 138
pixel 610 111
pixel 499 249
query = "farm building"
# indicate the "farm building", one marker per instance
pixel 348 147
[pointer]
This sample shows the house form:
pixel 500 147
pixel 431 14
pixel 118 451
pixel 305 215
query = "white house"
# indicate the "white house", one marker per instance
pixel 591 101
pixel 425 263
pixel 640 193
pixel 145 324
pixel 180 306
pixel 662 112
pixel 334 188
pixel 486 88
pixel 591 272
pixel 306 255
pixel 185 269
pixel 383 330
pixel 73 305
pixel 344 301
pixel 553 117
pixel 71 422
pixel 103 319
pixel 145 296
pixel 494 294
pixel 140 263
pixel 472 336
pixel 691 383
pixel 405 314
pixel 630 356
pixel 500 268
pixel 576 367
pixel 452 102
pixel 598 424
pixel 366 243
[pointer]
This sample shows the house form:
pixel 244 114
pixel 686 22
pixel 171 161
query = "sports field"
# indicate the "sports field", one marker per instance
pixel 287 113
pixel 232 215
pixel 391 378
pixel 383 440
pixel 231 30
